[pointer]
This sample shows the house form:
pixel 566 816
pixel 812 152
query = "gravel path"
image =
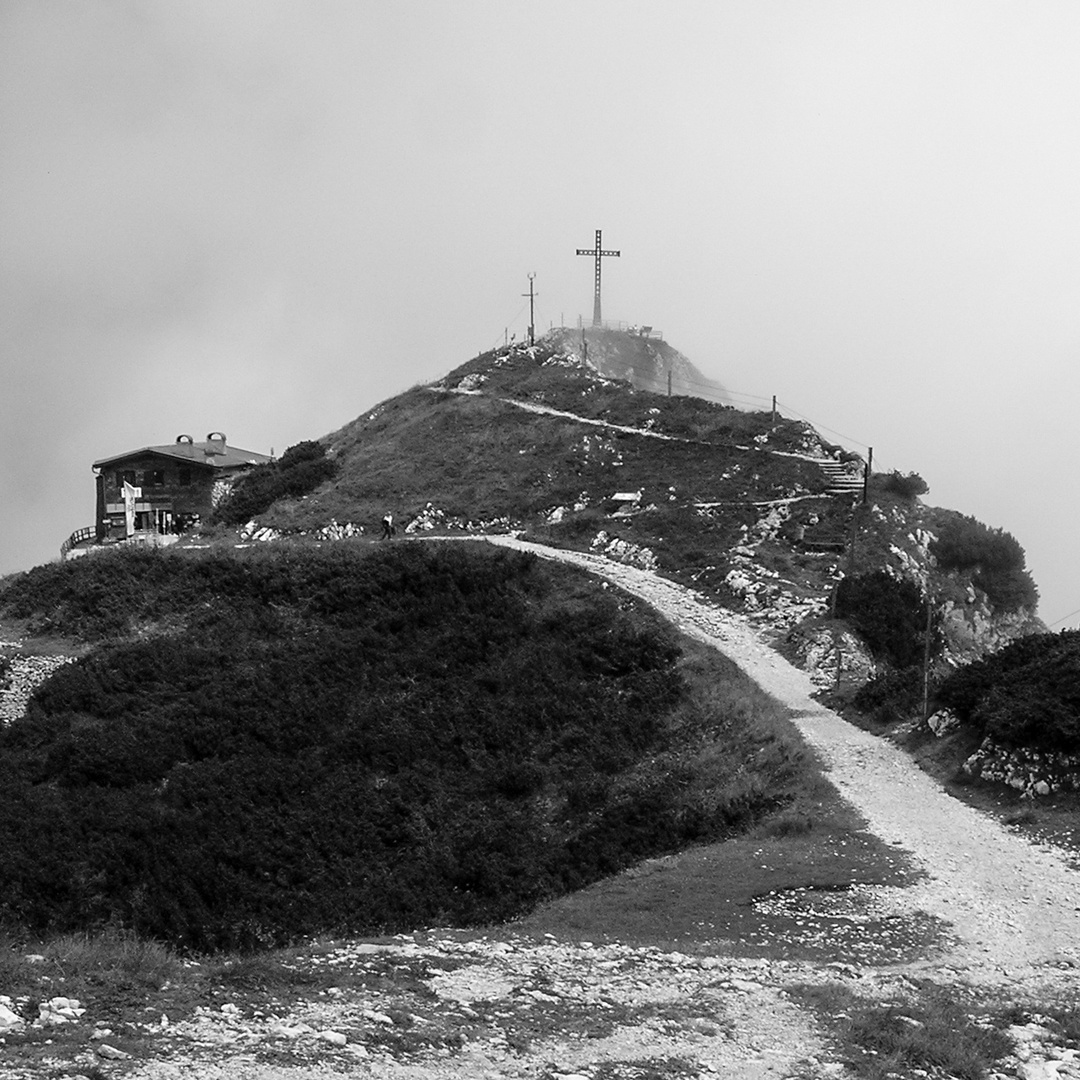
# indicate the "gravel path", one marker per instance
pixel 1014 906
pixel 473 1007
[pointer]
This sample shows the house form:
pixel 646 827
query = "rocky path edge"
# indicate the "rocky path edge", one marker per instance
pixel 1014 905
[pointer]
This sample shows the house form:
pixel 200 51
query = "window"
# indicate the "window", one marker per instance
pixel 125 477
pixel 155 477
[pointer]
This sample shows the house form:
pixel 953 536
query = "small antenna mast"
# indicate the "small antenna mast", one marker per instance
pixel 532 296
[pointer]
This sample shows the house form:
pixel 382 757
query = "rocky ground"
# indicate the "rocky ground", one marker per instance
pixel 517 1003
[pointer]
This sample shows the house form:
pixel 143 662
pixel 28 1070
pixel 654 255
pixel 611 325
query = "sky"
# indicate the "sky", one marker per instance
pixel 263 218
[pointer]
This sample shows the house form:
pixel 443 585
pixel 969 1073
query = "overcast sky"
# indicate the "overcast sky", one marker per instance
pixel 262 218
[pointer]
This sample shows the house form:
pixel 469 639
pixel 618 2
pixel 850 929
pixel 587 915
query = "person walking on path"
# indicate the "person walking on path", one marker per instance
pixel 387 526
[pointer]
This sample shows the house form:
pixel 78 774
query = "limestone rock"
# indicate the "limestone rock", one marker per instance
pixel 622 551
pixel 9 1019
pixel 1034 773
pixel 815 651
pixel 57 1011
pixel 943 722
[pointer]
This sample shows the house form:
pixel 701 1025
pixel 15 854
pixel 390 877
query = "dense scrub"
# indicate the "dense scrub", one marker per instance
pixel 909 486
pixel 994 558
pixel 1026 694
pixel 295 741
pixel 890 615
pixel 300 470
pixel 891 696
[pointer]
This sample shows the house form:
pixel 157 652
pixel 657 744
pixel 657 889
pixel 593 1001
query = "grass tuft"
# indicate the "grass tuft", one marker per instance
pixel 933 1032
pixel 112 956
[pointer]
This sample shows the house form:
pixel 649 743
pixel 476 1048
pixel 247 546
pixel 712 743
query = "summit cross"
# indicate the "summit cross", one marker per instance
pixel 598 252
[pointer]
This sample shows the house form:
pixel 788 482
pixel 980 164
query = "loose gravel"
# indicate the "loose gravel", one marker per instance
pixel 1014 905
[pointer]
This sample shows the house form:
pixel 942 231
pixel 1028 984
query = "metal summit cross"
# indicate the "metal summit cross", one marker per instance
pixel 599 253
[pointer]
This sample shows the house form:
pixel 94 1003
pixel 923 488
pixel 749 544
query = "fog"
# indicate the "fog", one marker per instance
pixel 262 218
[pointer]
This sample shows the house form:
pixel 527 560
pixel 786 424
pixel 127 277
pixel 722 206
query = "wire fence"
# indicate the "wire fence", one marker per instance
pixel 739 399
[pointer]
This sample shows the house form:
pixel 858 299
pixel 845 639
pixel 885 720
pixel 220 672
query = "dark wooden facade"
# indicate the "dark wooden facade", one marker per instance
pixel 179 484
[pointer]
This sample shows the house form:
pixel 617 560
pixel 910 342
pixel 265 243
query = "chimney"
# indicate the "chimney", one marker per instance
pixel 215 443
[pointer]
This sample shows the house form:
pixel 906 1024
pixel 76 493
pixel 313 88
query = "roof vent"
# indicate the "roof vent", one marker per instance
pixel 187 440
pixel 216 436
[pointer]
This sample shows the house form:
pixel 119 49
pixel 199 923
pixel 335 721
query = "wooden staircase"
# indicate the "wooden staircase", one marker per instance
pixel 840 480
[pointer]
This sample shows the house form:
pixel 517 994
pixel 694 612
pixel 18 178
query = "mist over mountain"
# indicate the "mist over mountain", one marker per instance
pixel 638 357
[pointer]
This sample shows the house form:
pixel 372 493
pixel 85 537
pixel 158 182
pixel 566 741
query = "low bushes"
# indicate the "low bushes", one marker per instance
pixel 890 615
pixel 1026 694
pixel 891 696
pixel 905 487
pixel 300 470
pixel 994 558
pixel 311 740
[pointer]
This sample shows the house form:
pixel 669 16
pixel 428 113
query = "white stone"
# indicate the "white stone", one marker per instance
pixel 111 1052
pixel 1038 1070
pixel 335 1038
pixel 377 1017
pixel 291 1031
pixel 9 1020
pixel 943 722
pixel 58 1010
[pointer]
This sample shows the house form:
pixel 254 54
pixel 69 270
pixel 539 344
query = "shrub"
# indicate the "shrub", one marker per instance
pixel 300 470
pixel 891 696
pixel 342 740
pixel 1027 694
pixel 889 614
pixel 994 558
pixel 906 487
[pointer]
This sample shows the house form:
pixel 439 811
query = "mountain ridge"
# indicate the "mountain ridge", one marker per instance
pixel 757 510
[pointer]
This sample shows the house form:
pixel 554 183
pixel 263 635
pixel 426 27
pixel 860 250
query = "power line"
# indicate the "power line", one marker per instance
pixel 509 323
pixel 839 434
pixel 1063 618
pixel 736 398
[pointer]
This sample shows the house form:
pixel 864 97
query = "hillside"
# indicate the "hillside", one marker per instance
pixel 789 952
pixel 237 744
pixel 756 511
pixel 261 745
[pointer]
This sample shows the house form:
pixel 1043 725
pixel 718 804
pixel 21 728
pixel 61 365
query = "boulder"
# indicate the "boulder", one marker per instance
pixel 943 722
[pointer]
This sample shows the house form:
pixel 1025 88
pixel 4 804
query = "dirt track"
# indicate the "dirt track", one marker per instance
pixel 1015 907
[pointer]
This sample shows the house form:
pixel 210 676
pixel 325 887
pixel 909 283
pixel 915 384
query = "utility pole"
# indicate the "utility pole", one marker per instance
pixel 866 474
pixel 669 382
pixel 854 539
pixel 773 421
pixel 531 296
pixel 926 656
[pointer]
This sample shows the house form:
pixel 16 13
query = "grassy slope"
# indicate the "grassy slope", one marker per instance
pixel 487 463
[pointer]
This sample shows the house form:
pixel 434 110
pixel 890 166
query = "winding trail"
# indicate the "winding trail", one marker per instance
pixel 1014 905
pixel 481 1007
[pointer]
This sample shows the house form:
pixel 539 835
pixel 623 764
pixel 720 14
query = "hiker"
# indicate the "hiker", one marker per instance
pixel 387 526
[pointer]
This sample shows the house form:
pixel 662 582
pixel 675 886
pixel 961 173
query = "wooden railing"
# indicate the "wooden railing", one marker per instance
pixel 76 537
